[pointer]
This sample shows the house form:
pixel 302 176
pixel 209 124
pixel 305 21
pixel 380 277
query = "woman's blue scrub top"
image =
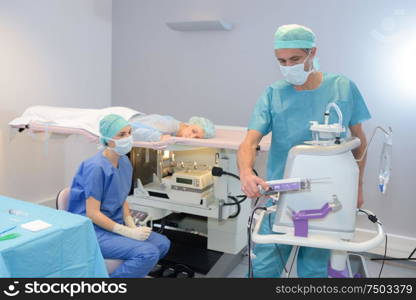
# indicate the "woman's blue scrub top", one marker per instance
pixel 98 178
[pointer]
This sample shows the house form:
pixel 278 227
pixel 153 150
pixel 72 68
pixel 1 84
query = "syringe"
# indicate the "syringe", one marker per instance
pixel 289 184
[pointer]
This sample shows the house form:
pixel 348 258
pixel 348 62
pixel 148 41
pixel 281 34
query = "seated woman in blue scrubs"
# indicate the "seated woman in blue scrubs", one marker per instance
pixel 99 191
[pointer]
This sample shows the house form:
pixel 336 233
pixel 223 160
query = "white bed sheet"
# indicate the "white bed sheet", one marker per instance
pixel 78 118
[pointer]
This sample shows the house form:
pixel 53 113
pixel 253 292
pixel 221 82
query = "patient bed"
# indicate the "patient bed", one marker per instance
pixel 79 121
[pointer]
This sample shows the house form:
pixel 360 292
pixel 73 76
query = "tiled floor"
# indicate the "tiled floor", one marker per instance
pixel 390 269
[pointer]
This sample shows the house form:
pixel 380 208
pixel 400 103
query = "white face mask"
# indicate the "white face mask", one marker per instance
pixel 123 146
pixel 296 74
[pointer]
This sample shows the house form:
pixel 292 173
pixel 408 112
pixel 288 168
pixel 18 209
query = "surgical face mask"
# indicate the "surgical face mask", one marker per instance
pixel 296 74
pixel 123 146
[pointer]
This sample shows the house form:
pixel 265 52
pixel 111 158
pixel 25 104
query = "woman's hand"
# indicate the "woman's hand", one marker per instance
pixel 139 233
pixel 129 221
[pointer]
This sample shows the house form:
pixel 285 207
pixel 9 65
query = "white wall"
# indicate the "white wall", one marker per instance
pixel 52 53
pixel 221 74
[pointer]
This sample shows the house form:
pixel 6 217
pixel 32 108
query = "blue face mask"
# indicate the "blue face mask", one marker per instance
pixel 296 74
pixel 123 146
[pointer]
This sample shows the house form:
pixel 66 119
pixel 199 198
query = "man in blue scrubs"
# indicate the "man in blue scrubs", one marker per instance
pixel 99 191
pixel 285 109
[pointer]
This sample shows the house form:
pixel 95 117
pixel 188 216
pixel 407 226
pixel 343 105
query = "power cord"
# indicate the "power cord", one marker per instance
pixel 250 223
pixel 218 172
pixel 373 218
pixel 384 259
pixel 293 261
pixel 237 200
pixel 282 261
pixel 235 203
pixel 249 228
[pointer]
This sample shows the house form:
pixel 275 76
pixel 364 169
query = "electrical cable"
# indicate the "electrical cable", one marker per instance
pixel 217 171
pixel 373 218
pixel 282 261
pixel 231 174
pixel 235 203
pixel 250 223
pixel 293 261
pixel 384 259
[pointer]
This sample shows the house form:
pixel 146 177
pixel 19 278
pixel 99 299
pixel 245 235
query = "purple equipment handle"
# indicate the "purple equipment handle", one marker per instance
pixel 302 217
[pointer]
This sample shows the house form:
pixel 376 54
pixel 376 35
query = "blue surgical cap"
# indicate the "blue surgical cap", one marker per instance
pixel 294 36
pixel 205 124
pixel 110 125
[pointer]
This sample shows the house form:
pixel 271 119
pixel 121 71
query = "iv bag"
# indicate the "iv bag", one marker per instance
pixel 385 164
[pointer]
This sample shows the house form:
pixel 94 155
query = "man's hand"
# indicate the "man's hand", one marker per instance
pixel 249 185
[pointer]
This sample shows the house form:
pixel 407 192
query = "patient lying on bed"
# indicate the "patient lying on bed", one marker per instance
pixel 146 128
pixel 154 128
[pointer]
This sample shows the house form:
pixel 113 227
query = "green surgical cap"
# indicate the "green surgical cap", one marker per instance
pixel 205 124
pixel 294 36
pixel 110 125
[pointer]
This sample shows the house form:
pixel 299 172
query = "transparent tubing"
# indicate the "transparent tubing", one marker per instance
pixel 385 157
pixel 387 133
pixel 338 111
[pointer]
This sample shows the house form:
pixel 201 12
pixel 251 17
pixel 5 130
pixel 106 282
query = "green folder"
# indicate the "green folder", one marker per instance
pixel 9 236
